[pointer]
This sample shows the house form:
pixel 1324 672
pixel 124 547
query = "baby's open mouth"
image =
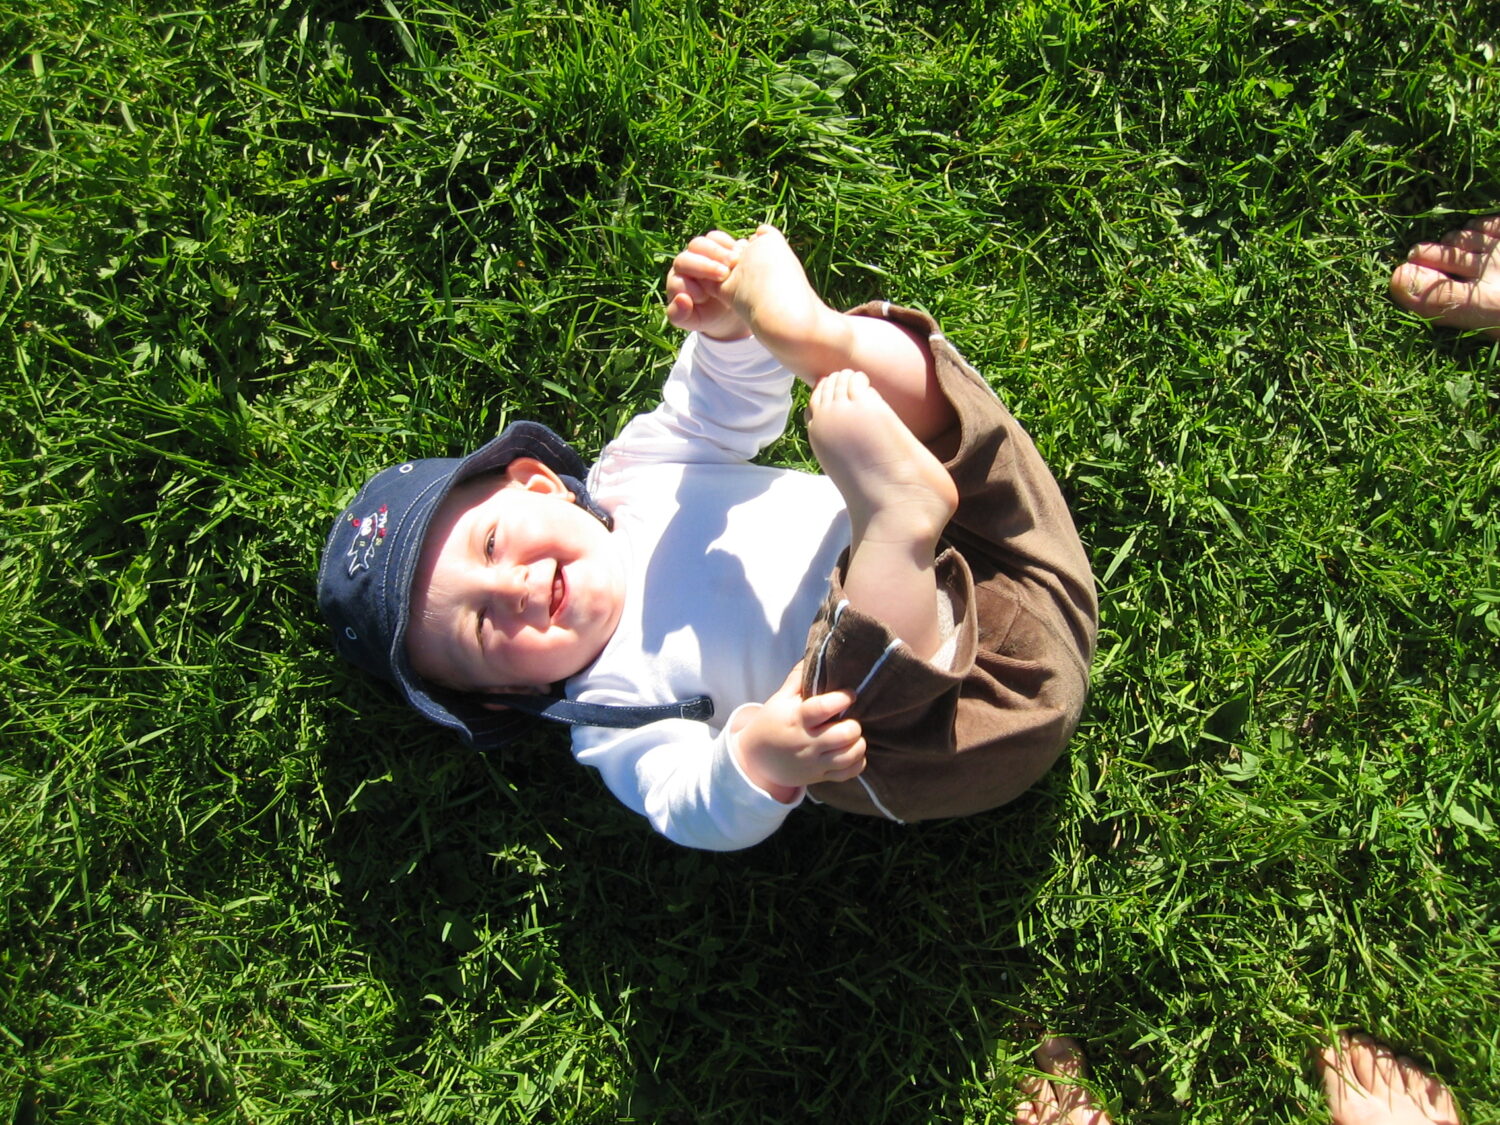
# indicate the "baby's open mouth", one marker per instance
pixel 559 592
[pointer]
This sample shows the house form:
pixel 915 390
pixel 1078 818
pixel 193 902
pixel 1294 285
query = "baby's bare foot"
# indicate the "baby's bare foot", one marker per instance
pixel 1065 1102
pixel 895 489
pixel 1455 281
pixel 769 290
pixel 1369 1084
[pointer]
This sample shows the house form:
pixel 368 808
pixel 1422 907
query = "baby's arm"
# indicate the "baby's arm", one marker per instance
pixel 682 776
pixel 790 742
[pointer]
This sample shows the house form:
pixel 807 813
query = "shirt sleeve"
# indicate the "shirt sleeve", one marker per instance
pixel 684 778
pixel 723 401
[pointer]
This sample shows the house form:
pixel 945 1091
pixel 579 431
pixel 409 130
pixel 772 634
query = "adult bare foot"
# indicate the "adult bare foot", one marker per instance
pixel 1367 1083
pixel 1455 281
pixel 1064 1102
pixel 895 489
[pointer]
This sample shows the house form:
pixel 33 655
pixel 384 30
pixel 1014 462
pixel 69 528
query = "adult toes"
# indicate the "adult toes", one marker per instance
pixel 1058 1054
pixel 1040 1104
pixel 1456 260
pixel 1433 294
pixel 1426 1092
pixel 1475 240
pixel 1489 224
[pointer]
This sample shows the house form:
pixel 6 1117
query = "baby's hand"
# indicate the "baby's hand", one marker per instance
pixel 694 300
pixel 789 742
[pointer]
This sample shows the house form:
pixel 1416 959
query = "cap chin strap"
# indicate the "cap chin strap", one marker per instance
pixel 560 710
pixel 582 498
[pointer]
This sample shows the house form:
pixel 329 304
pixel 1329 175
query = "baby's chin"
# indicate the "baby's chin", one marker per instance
pixel 553 669
pixel 586 662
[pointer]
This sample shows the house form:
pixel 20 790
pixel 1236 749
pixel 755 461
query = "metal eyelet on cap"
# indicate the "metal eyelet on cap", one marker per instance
pixel 406 468
pixel 350 633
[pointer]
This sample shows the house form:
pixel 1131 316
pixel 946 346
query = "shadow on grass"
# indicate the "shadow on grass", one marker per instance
pixel 846 969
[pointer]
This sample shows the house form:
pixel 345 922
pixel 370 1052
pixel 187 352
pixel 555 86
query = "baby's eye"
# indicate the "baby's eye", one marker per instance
pixel 489 548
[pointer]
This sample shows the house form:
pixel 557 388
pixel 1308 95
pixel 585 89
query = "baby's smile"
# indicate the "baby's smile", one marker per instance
pixel 519 587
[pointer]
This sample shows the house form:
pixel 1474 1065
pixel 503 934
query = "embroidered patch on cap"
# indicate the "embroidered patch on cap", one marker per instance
pixel 368 534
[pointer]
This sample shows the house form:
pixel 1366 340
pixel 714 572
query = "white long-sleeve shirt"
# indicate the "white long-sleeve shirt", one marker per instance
pixel 727 565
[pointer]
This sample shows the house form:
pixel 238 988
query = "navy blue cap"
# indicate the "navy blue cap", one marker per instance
pixel 370 559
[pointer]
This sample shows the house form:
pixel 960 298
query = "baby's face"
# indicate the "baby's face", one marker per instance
pixel 517 587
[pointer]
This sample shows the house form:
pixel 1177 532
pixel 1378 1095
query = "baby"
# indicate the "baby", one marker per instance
pixel 908 636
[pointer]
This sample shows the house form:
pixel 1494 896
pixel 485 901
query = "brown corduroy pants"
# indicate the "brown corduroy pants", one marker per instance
pixel 955 740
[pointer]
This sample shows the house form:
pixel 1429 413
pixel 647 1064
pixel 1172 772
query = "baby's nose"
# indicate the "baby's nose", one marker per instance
pixel 510 586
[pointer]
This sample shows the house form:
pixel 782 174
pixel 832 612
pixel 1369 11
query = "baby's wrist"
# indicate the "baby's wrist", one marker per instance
pixel 750 754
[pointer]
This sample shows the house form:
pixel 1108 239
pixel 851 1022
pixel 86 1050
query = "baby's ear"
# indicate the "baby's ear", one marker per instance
pixel 535 476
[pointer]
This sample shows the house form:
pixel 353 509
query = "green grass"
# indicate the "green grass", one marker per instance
pixel 248 253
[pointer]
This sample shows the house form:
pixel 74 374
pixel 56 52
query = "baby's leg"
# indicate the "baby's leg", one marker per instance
pixel 899 498
pixel 1456 281
pixel 769 289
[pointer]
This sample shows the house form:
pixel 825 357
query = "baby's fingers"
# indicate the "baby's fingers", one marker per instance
pixel 706 257
pixel 717 245
pixel 842 765
pixel 680 310
pixel 836 738
pixel 684 295
pixel 700 266
pixel 820 709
